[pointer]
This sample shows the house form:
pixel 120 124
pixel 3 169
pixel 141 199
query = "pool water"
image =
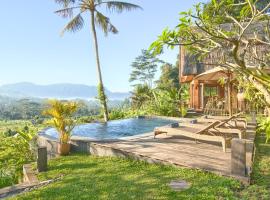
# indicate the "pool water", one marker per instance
pixel 116 129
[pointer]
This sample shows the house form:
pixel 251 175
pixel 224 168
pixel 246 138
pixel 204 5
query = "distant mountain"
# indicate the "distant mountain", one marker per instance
pixel 63 90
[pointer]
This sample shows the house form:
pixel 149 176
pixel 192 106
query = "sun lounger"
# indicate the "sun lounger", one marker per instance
pixel 230 125
pixel 197 133
pixel 231 122
pixel 219 130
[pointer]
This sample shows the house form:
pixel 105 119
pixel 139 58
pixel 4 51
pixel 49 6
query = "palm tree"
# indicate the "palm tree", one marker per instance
pixel 141 95
pixel 62 114
pixel 96 18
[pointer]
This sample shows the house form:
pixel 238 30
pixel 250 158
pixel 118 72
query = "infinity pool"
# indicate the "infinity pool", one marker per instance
pixel 116 129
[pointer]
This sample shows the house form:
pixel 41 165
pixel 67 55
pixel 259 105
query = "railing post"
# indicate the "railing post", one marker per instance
pixel 238 157
pixel 42 159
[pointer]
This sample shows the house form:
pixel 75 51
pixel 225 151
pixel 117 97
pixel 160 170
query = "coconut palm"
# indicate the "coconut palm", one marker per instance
pixel 96 18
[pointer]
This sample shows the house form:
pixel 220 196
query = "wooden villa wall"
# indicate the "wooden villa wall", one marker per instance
pixel 189 67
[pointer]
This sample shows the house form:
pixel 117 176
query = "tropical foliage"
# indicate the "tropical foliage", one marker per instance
pixel 167 98
pixel 13 109
pixel 234 8
pixel 236 31
pixel 264 127
pixel 144 69
pixel 97 19
pixel 170 102
pixel 31 109
pixel 141 94
pixel 255 99
pixel 15 151
pixel 169 77
pixel 62 114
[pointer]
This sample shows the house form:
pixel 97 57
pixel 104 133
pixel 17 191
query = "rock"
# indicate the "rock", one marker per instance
pixel 179 185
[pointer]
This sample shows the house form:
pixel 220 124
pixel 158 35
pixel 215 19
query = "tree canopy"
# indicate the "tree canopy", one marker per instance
pixel 218 9
pixel 81 7
pixel 241 40
pixel 169 77
pixel 144 68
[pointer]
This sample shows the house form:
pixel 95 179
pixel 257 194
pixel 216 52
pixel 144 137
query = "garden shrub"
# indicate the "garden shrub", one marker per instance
pixel 15 151
pixel 264 126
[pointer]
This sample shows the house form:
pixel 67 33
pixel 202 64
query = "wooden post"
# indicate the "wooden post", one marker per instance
pixel 42 159
pixel 238 157
pixel 229 94
pixel 202 96
pixel 192 95
pixel 253 117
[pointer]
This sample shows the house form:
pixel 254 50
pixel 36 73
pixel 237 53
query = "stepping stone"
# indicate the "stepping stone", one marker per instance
pixel 179 185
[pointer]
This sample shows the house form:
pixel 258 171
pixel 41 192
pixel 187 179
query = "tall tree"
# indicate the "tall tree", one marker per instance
pixel 169 77
pixel 96 19
pixel 241 40
pixel 144 68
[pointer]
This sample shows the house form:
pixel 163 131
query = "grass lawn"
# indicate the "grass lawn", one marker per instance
pixel 89 177
pixel 260 188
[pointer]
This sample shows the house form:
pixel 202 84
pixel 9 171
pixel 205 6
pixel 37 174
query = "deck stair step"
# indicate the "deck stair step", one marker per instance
pixel 192 112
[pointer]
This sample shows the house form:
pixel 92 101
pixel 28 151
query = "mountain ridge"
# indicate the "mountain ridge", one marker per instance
pixel 57 90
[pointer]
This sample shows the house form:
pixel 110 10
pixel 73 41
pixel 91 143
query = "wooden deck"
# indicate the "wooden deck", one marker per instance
pixel 176 150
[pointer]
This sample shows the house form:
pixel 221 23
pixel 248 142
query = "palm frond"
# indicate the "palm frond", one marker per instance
pixel 66 12
pixel 119 6
pixel 105 24
pixel 65 3
pixel 74 25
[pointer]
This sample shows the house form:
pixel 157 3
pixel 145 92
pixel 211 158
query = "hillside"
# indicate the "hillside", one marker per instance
pixel 62 90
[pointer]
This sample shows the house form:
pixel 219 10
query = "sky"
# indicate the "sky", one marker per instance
pixel 32 50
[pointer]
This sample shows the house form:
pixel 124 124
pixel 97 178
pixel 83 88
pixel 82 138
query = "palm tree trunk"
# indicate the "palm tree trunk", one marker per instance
pixel 102 96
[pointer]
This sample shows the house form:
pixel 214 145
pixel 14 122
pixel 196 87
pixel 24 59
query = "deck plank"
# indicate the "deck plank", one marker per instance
pixel 182 151
pixel 178 150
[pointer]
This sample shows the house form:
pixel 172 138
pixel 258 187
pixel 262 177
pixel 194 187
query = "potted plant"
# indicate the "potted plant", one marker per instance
pixel 61 113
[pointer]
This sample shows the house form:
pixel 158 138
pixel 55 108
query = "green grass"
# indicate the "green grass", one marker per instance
pixel 89 177
pixel 260 188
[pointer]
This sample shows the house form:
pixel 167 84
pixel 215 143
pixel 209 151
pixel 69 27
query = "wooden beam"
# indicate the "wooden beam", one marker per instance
pixel 229 94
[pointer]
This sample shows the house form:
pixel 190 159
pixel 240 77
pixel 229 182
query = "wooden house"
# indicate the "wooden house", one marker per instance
pixel 205 86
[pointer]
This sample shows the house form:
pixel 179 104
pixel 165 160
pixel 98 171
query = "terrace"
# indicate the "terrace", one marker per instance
pixel 143 149
pixel 168 149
